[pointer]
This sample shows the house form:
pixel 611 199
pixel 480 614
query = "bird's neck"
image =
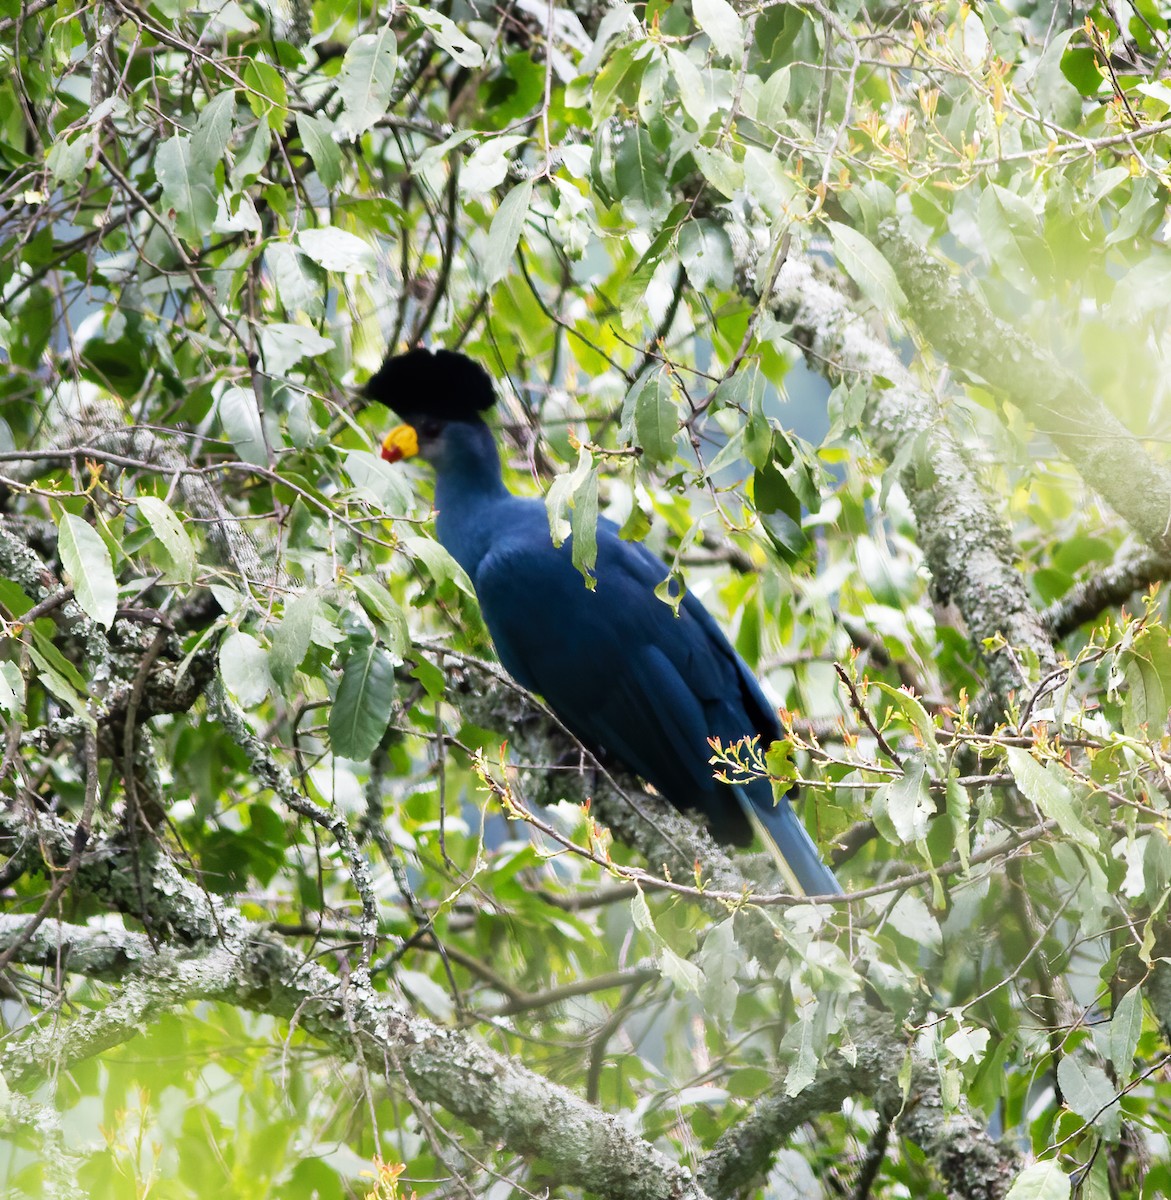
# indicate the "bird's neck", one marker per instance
pixel 468 492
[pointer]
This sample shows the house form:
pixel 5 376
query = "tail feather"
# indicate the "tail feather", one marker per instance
pixel 789 842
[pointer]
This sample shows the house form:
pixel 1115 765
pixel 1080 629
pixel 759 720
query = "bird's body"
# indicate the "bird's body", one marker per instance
pixel 624 673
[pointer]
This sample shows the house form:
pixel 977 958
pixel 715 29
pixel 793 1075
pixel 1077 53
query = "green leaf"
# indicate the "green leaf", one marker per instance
pixel 803 1070
pixel 721 959
pixel 487 165
pixel 959 806
pixel 1087 1091
pixel 316 134
pixel 656 419
pixel 438 561
pixel 174 539
pixel 864 264
pixel 249 163
pixel 705 250
pixel 213 130
pixel 568 492
pixel 361 710
pixel 366 81
pixel 290 642
pixel 336 250
pixel 284 344
pixel 1125 1026
pixel 623 68
pixel 686 976
pixel 1144 706
pixel 11 689
pixel 299 286
pixel 721 170
pixel 917 715
pixel 909 803
pixel 719 20
pixel 244 668
pixel 52 658
pixel 383 484
pixel 640 914
pixel 1056 97
pixel 1010 230
pixel 584 522
pixel 449 36
pixel 1041 1181
pixel 1055 800
pixel 384 611
pixel 88 566
pixel 774 95
pixel 56 682
pixel 267 95
pixel 911 917
pixel 241 421
pixel 505 230
pixel 693 90
pixel 968 1043
pixel 639 174
pixel 66 159
pixel 431 677
pixel 188 189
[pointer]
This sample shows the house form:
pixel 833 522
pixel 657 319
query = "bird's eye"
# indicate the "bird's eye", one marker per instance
pixel 429 428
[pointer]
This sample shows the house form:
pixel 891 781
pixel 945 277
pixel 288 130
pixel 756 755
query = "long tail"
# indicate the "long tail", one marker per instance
pixel 789 842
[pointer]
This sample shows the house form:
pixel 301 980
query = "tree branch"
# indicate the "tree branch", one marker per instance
pixel 968 334
pixel 967 545
pixel 1110 587
pixel 503 1100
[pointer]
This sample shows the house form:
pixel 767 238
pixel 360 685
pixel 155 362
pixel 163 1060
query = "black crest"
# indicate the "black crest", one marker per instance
pixel 440 384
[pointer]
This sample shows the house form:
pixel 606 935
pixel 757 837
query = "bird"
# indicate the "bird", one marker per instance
pixel 632 677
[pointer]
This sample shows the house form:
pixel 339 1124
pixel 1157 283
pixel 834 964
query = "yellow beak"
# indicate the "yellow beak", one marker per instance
pixel 401 442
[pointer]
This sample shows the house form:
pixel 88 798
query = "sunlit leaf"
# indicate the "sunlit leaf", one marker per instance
pixel 88 567
pixel 174 539
pixel 366 81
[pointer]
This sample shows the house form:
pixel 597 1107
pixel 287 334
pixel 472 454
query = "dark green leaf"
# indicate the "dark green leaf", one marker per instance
pixel 361 710
pixel 656 419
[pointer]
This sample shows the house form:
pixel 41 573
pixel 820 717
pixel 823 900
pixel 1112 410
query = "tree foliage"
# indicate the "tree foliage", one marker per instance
pixel 854 313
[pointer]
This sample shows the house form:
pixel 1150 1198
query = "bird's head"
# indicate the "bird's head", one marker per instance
pixel 433 392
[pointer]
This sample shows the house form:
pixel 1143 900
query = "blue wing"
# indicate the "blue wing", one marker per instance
pixel 629 677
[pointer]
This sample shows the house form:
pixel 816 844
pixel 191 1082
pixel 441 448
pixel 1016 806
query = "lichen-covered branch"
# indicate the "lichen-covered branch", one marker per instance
pixel 1111 586
pixel 497 1096
pixel 965 1156
pixel 965 332
pixel 966 542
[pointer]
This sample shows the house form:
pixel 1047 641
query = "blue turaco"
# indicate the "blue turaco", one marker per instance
pixel 625 673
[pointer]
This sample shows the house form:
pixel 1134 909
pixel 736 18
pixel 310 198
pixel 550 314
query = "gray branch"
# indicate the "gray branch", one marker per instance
pixel 1111 586
pixel 503 1100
